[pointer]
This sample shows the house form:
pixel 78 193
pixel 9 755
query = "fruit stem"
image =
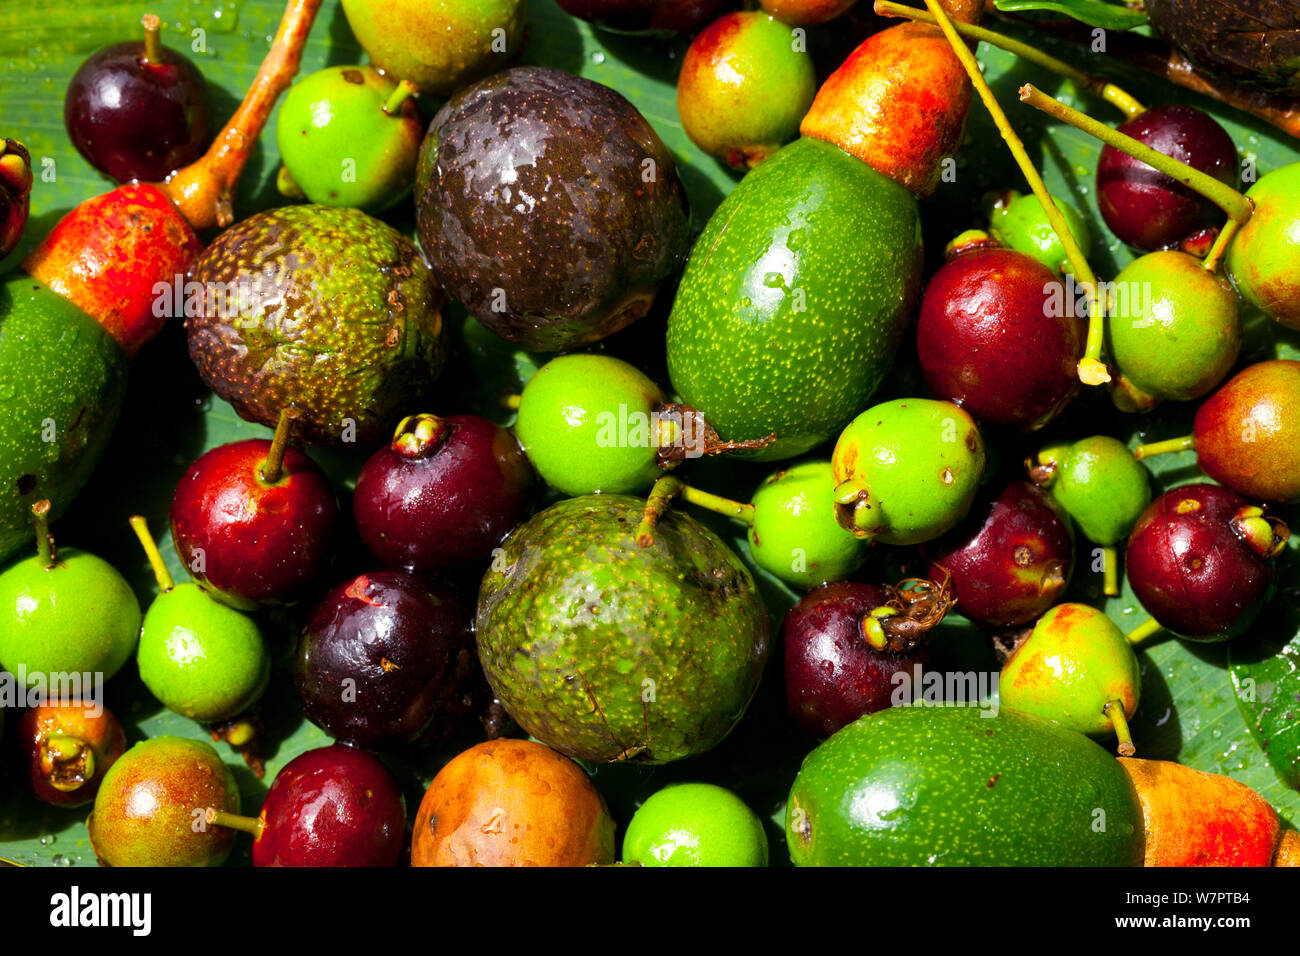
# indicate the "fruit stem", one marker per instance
pixel 272 469
pixel 1092 370
pixel 1110 571
pixel 1211 263
pixel 45 550
pixel 1150 450
pixel 1114 709
pixel 723 506
pixel 1097 85
pixel 160 572
pixel 660 498
pixel 511 402
pixel 1146 629
pixel 398 97
pixel 153 51
pixel 234 821
pixel 1237 206
pixel 203 190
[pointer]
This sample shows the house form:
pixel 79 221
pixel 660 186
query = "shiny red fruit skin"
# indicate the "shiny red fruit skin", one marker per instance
pixel 333 806
pixel 101 732
pixel 1192 572
pixel 832 675
pixel 262 544
pixel 137 120
pixel 1147 209
pixel 117 257
pixel 448 508
pixel 990 342
pixel 1010 560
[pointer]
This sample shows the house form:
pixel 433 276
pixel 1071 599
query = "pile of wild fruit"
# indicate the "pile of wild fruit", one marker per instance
pixel 808 483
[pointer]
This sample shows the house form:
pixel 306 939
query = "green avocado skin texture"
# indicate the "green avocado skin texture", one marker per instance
pixel 943 786
pixel 607 651
pixel 62 376
pixel 795 298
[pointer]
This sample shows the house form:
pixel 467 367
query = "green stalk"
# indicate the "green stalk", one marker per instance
pixel 718 504
pixel 160 572
pixel 1092 370
pixel 153 52
pixel 1146 629
pixel 660 499
pixel 272 469
pixel 399 96
pixel 234 821
pixel 1150 450
pixel 1110 572
pixel 44 541
pixel 1114 709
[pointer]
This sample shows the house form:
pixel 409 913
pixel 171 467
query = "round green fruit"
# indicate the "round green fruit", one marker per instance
pixel 347 140
pixel 746 82
pixel 1264 257
pixel 609 651
pixel 907 470
pixel 695 824
pixel 1018 222
pixel 795 534
pixel 202 659
pixel 1099 484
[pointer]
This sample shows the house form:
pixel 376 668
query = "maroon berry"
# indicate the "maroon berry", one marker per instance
pixel 833 673
pixel 138 110
pixel 333 806
pixel 1144 207
pixel 1010 560
pixel 382 657
pixel 1201 561
pixel 997 336
pixel 444 493
pixel 247 540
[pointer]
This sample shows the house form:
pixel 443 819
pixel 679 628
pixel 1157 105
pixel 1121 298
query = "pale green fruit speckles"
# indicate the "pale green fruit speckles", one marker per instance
pixel 607 651
pixel 1100 485
pixel 907 470
pixel 795 535
pixel 795 298
pixel 585 423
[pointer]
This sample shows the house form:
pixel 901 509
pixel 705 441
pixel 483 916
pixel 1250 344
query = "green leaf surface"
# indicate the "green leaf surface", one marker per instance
pixel 1189 711
pixel 1095 13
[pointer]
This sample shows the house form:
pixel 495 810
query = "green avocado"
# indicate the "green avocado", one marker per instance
pixel 608 651
pixel 795 298
pixel 953 786
pixel 62 381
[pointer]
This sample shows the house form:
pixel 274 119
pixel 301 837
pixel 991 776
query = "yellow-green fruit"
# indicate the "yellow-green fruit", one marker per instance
pixel 795 534
pixel 695 824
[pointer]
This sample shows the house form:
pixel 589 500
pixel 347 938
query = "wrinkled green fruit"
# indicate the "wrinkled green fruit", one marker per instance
pixel 607 651
pixel 945 786
pixel 321 308
pixel 795 298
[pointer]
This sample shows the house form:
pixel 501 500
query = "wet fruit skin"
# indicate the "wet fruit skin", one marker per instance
pixel 512 803
pixel 1144 207
pixel 1247 433
pixel 1019 223
pixel 381 658
pixel 340 319
pixel 439 45
pixel 795 535
pixel 145 810
pixel 651 17
pixel 332 806
pixel 135 120
pixel 549 207
pixel 796 340
pixel 695 824
pixel 451 504
pixel 832 675
pixel 990 341
pixel 608 651
pixel 1010 560
pixel 69 748
pixel 1098 482
pixel 1262 257
pixel 1191 570
pixel 743 88
pixel 945 786
pixel 246 542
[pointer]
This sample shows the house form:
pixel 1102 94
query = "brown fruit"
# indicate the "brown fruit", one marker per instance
pixel 1193 818
pixel 512 803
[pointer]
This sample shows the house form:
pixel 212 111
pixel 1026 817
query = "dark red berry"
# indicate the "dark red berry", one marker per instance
pixel 443 493
pixel 382 657
pixel 997 336
pixel 333 806
pixel 1010 560
pixel 1144 207
pixel 1201 561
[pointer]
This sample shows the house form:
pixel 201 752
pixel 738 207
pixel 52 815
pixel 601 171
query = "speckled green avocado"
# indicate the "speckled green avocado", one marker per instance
pixel 608 651
pixel 795 298
pixel 945 786
pixel 336 313
pixel 62 380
